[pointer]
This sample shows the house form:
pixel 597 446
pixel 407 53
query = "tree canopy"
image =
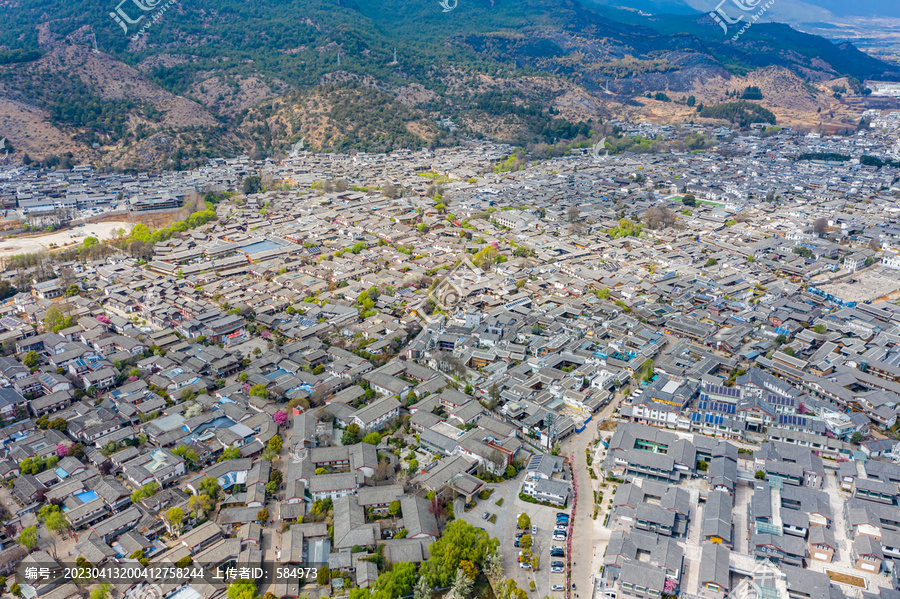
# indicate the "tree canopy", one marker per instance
pixel 460 541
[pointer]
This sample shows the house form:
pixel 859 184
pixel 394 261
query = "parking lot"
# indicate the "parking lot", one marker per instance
pixel 544 518
pixel 504 529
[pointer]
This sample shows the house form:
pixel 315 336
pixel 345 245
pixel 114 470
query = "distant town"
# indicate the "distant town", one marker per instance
pixel 667 372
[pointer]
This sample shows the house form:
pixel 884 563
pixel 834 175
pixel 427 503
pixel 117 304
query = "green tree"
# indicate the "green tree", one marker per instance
pixel 394 508
pixel 148 490
pixel 53 318
pixel 56 522
pixel 210 487
pixel 259 391
pixel 83 566
pixel 275 443
pixel 857 438
pixel 460 541
pixel 188 453
pixel 820 328
pixel 242 589
pixel 73 290
pixel 175 516
pixel 28 538
pixel 251 184
pixel 397 582
pixel 102 591
pixel 372 438
pixel 351 434
pixel 201 504
pixel 230 453
pixel 262 515
pixel 31 359
pixel 524 522
pixel 711 262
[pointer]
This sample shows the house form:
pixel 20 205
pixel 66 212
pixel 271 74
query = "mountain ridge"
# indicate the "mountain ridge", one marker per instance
pixel 227 77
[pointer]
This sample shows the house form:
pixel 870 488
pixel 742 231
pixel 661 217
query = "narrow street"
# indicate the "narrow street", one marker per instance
pixel 583 531
pixel 589 537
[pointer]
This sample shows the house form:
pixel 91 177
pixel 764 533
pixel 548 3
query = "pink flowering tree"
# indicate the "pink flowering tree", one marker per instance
pixel 280 418
pixel 62 449
pixel 103 319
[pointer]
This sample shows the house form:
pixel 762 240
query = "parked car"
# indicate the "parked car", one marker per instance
pixel 560 536
pixel 562 516
pixel 525 565
pixel 557 548
pixel 485 516
pixel 557 564
pixel 533 530
pixel 558 553
pixel 556 570
pixel 557 587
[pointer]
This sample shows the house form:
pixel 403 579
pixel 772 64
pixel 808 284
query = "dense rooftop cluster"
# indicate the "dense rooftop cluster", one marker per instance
pixel 358 347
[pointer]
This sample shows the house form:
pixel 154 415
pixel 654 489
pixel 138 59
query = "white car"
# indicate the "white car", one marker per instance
pixel 557 587
pixel 533 530
pixel 525 565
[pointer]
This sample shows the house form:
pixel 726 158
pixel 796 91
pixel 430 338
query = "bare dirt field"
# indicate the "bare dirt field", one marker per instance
pixel 60 239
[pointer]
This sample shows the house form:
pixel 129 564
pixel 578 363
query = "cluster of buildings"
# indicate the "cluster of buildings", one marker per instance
pixel 477 317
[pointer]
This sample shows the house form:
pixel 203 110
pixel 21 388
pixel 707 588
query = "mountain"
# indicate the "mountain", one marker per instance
pixel 223 77
pixel 793 11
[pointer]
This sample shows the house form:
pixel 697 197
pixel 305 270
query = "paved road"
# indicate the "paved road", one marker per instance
pixel 582 553
pixel 742 496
